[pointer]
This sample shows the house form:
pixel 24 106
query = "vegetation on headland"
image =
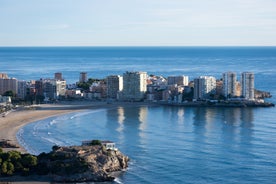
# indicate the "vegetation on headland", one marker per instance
pixel 15 163
pixel 65 164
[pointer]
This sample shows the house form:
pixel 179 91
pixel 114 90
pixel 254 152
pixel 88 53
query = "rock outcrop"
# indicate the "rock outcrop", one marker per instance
pixel 261 94
pixel 83 163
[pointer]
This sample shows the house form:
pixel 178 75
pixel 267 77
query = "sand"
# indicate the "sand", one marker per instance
pixel 13 121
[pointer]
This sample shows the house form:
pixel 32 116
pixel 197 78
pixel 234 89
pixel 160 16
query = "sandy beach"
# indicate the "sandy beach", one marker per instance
pixel 13 121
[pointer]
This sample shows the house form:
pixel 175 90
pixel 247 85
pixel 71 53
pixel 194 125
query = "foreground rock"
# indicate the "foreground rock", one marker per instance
pixel 82 163
pixel 63 164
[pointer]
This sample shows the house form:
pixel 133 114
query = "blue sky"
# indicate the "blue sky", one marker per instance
pixel 137 22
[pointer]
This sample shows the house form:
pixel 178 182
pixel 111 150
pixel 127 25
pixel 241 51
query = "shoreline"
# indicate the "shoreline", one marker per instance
pixel 11 124
pixel 16 119
pixel 13 121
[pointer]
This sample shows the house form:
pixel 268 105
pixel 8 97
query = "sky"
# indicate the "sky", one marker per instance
pixel 137 22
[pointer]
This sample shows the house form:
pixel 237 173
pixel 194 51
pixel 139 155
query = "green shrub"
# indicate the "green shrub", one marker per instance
pixel 96 142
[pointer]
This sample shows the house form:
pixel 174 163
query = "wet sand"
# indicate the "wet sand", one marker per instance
pixel 13 121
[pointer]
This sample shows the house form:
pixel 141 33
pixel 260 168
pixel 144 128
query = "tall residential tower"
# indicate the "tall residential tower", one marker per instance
pixel 247 84
pixel 114 85
pixel 204 86
pixel 229 84
pixel 134 85
pixel 179 80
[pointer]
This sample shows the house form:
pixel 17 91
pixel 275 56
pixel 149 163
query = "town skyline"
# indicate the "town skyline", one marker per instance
pixel 135 86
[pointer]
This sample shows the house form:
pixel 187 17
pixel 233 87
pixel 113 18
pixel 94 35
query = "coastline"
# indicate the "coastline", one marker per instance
pixel 13 121
pixel 10 124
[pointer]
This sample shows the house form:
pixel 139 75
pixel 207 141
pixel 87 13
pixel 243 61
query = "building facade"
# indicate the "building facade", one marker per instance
pixel 204 86
pixel 179 80
pixel 83 77
pixel 114 85
pixel 50 88
pixel 134 86
pixel 7 84
pixel 247 84
pixel 229 84
pixel 22 89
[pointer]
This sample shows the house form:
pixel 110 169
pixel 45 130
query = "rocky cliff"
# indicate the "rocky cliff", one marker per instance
pixel 261 94
pixel 82 163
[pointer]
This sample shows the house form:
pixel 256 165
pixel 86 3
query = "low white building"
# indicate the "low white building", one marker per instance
pixel 109 145
pixel 4 100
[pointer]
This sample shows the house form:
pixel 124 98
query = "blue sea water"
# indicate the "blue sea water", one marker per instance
pixel 165 144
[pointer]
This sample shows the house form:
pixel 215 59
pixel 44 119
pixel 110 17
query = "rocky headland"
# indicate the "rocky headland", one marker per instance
pixel 92 163
pixel 83 163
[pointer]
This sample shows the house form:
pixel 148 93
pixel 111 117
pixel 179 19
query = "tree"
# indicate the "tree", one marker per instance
pixel 15 156
pixel 10 168
pixel 4 168
pixel 7 168
pixel 9 93
pixel 96 142
pixel 28 160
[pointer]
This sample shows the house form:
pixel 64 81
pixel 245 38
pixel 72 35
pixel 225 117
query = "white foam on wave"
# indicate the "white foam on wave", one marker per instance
pixel 53 141
pixel 53 122
pixel 22 142
pixel 117 180
pixel 41 130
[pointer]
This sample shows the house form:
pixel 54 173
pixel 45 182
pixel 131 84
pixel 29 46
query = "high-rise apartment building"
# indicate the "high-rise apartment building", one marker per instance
pixel 114 85
pixel 22 89
pixel 179 80
pixel 83 77
pixel 247 83
pixel 134 85
pixel 229 84
pixel 50 88
pixel 60 87
pixel 7 84
pixel 204 86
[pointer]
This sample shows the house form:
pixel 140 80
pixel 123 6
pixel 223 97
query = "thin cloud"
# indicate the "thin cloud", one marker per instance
pixel 56 27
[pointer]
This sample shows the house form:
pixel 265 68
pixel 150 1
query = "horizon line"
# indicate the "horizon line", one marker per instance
pixel 138 46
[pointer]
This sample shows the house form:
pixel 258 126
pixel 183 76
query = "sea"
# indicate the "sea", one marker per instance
pixel 165 144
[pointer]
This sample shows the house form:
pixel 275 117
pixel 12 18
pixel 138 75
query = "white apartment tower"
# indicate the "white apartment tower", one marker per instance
pixel 114 85
pixel 229 84
pixel 179 80
pixel 248 85
pixel 204 86
pixel 134 85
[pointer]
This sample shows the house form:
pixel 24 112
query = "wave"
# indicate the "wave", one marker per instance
pixel 22 142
